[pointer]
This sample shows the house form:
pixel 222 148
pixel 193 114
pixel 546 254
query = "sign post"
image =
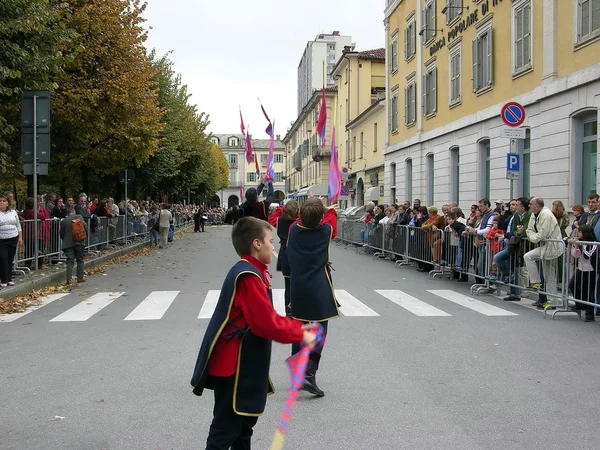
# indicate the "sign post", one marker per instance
pixel 513 116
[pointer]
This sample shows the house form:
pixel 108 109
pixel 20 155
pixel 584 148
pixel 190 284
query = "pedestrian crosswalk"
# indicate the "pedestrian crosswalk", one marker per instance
pixel 157 304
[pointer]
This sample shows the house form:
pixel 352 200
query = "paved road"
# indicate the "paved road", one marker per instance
pixel 418 365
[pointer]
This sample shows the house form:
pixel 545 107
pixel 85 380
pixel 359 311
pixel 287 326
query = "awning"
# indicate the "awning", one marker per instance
pixel 319 189
pixel 372 194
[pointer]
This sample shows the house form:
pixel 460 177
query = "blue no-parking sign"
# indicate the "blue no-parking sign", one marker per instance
pixel 513 114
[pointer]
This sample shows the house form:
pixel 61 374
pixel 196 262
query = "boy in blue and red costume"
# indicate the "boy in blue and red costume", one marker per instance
pixel 235 355
pixel 311 289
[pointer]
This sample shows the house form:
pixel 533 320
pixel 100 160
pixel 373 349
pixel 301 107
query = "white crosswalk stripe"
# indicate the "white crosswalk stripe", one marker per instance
pixel 157 303
pixel 475 305
pixel 412 304
pixel 87 308
pixel 44 301
pixel 154 306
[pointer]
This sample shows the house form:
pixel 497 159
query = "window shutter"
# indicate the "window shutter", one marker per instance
pixel 475 65
pixel 434 90
pixel 490 57
pixel 448 11
pixel 406 43
pixel 424 26
pixel 424 102
pixel 585 17
pixel 413 41
pixel 519 37
pixel 595 9
pixel 406 100
pixel 390 57
pixel 432 12
pixel 457 74
pixel 527 34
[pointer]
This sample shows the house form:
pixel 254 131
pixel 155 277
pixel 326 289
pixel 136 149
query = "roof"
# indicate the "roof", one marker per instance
pixel 377 53
pixel 257 144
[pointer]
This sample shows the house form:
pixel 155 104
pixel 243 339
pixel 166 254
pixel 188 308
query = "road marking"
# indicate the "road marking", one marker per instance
pixel 209 305
pixel 87 308
pixel 412 304
pixel 471 303
pixel 351 306
pixel 279 301
pixel 154 306
pixel 44 301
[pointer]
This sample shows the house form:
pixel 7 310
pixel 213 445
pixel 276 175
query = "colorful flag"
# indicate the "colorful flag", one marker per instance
pixel 248 147
pixel 257 168
pixel 242 122
pixel 297 365
pixel 241 193
pixel 269 129
pixel 271 157
pixel 335 175
pixel 322 123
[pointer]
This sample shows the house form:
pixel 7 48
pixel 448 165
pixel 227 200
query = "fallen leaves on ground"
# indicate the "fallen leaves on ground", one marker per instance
pixel 20 304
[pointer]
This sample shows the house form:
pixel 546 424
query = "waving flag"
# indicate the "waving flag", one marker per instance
pixel 242 122
pixel 269 129
pixel 256 165
pixel 241 193
pixel 297 365
pixel 271 157
pixel 248 147
pixel 322 123
pixel 335 175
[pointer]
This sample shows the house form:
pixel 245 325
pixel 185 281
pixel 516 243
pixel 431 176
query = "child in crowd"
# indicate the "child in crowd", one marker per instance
pixel 583 283
pixel 493 237
pixel 235 355
pixel 312 296
pixel 458 227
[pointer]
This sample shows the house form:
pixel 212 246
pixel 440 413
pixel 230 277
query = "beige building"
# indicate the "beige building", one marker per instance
pixel 361 124
pixel 243 175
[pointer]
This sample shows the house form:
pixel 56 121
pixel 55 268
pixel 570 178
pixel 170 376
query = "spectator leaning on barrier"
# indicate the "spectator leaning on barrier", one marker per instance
pixel 10 237
pixel 543 226
pixel 583 284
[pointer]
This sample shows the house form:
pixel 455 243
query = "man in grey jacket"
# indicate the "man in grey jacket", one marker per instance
pixel 73 250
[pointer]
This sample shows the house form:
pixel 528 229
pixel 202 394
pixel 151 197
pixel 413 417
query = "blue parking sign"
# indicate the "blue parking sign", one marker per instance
pixel 512 162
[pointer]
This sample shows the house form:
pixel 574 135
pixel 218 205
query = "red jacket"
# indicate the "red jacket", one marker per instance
pixel 252 309
pixel 492 236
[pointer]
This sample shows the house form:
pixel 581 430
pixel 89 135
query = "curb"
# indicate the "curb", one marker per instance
pixel 28 286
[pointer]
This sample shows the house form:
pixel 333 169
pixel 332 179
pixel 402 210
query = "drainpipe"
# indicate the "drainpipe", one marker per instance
pixel 349 147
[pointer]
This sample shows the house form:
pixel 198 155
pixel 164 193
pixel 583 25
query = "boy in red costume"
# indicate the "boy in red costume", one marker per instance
pixel 235 355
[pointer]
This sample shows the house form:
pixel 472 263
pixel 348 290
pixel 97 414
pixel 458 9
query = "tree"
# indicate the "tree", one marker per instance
pixel 105 111
pixel 221 178
pixel 33 38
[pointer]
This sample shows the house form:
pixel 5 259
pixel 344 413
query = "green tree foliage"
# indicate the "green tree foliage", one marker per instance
pixel 33 38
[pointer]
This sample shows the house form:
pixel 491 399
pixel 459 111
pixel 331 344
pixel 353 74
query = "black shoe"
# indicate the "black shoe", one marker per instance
pixel 310 380
pixel 512 298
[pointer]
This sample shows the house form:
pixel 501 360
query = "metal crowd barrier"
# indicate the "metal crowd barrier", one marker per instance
pixel 104 233
pixel 495 265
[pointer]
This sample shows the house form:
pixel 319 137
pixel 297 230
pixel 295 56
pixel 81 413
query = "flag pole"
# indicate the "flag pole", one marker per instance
pixel 323 73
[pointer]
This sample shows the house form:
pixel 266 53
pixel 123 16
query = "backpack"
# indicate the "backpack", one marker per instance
pixel 78 232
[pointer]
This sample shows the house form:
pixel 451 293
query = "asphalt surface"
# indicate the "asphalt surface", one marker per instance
pixel 460 375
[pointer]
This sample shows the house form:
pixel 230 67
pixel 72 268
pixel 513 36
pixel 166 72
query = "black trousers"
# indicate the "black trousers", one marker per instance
pixel 286 296
pixel 228 429
pixel 8 248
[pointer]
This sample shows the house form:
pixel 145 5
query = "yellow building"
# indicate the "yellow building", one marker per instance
pixel 242 175
pixel 453 64
pixel 306 162
pixel 361 123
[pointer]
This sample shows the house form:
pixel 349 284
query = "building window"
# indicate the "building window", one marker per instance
pixel 429 23
pixel 214 140
pixel 410 104
pixel 233 142
pixel 394 112
pixel 251 177
pixel 453 10
pixel 590 157
pixel 233 160
pixel 408 180
pixel 362 143
pixel 278 177
pixel 393 175
pixel 353 148
pixel 410 40
pixel 455 174
pixel 588 20
pixel 484 169
pixel 375 137
pixel 522 36
pixel 278 158
pixel 233 178
pixel 455 69
pixel 394 53
pixel 263 160
pixel 430 180
pixel 482 61
pixel 430 91
pixel 526 165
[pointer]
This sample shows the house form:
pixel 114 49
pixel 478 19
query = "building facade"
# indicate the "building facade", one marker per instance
pixel 361 78
pixel 242 175
pixel 453 64
pixel 326 48
pixel 307 162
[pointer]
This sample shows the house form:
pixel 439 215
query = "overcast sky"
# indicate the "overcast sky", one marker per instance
pixel 229 52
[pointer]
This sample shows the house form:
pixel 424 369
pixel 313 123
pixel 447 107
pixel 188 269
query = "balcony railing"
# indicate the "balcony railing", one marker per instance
pixel 233 166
